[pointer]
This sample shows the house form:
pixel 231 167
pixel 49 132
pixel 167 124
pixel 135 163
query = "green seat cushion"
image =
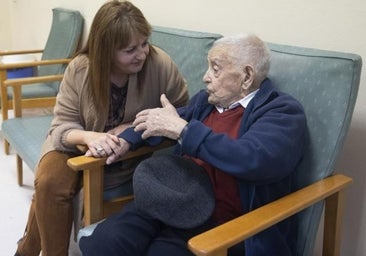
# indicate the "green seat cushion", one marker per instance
pixel 26 136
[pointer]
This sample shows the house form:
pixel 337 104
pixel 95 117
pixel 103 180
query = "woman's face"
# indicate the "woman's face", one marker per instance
pixel 131 59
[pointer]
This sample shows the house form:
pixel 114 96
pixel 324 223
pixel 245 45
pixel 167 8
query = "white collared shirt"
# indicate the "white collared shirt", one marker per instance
pixel 244 102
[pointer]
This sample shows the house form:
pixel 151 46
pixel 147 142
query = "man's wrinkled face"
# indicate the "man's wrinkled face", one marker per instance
pixel 223 78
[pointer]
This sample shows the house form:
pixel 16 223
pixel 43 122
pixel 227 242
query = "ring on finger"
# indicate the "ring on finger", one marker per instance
pixel 99 149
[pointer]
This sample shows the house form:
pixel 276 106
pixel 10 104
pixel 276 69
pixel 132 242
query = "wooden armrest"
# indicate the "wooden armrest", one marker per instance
pixel 31 80
pixel 3 53
pixel 93 182
pixel 33 63
pixel 17 84
pixel 217 240
pixel 83 162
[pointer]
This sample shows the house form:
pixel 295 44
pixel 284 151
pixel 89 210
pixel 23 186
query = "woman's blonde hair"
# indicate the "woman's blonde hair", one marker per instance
pixel 113 27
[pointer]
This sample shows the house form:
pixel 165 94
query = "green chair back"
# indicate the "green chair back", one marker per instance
pixel 189 51
pixel 326 83
pixel 62 42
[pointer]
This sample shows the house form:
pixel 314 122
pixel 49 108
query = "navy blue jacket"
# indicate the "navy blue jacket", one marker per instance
pixel 263 158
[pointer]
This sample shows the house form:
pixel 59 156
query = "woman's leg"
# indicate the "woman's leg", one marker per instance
pixel 51 215
pixel 30 243
pixel 125 233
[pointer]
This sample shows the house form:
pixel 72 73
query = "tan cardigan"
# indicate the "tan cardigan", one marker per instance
pixel 73 110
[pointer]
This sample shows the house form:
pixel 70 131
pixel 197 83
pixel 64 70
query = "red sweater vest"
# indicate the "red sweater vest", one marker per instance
pixel 228 205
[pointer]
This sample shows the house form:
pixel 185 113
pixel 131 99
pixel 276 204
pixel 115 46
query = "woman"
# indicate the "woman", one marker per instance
pixel 117 74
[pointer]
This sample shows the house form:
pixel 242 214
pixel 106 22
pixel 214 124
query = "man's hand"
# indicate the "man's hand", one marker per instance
pixel 163 121
pixel 119 151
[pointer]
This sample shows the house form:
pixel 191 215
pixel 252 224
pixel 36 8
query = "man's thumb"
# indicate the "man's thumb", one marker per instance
pixel 164 101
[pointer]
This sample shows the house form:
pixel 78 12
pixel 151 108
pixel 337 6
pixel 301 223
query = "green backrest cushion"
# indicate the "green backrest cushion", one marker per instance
pixel 326 83
pixel 189 51
pixel 63 40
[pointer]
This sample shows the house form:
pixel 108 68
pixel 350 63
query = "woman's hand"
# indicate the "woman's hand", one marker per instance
pixel 106 145
pixel 101 144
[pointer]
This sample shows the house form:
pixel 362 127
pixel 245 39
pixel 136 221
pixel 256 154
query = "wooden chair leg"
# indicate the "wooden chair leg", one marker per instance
pixel 333 215
pixel 17 113
pixel 4 110
pixel 19 170
pixel 93 195
pixel 6 147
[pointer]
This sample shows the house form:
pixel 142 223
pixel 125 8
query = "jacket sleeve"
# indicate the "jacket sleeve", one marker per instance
pixel 135 140
pixel 269 146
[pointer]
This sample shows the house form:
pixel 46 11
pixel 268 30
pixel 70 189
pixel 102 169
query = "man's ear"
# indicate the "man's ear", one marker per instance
pixel 248 78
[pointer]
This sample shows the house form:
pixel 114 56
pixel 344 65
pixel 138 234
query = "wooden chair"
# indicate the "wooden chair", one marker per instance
pixel 326 83
pixel 40 91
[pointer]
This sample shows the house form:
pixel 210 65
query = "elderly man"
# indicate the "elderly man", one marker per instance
pixel 244 134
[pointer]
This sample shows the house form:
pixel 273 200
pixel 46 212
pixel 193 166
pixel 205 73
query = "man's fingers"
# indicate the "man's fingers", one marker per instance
pixel 139 119
pixel 142 112
pixel 112 158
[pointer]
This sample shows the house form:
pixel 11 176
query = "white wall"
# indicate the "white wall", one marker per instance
pixel 328 24
pixel 5 36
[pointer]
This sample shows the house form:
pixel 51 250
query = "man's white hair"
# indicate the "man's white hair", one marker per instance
pixel 247 49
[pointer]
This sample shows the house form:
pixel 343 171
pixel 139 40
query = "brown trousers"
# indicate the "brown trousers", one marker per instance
pixel 51 213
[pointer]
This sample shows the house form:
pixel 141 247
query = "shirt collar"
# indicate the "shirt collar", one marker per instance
pixel 243 102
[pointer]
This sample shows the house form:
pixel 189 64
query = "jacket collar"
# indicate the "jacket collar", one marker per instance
pixel 266 92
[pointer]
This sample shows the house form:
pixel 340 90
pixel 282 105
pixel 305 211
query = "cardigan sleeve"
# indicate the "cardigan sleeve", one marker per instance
pixel 135 140
pixel 67 108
